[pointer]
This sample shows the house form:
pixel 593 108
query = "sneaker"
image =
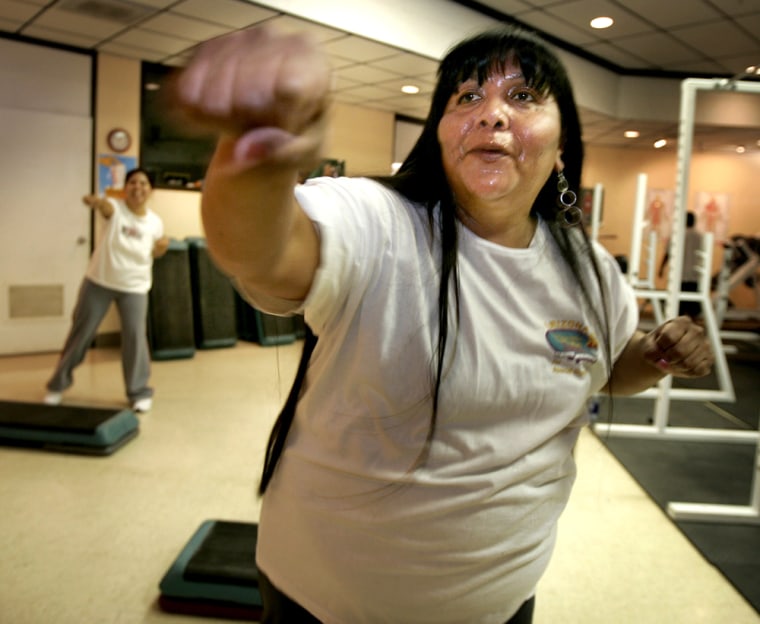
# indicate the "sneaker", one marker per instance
pixel 53 398
pixel 142 405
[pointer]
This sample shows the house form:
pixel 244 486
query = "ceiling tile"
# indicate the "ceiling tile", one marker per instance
pixel 146 40
pixel 231 13
pixel 369 92
pixel 361 50
pixel 17 11
pixel 671 14
pixel 737 64
pixel 701 67
pixel 555 26
pixel 658 49
pixel 185 27
pixel 508 7
pixel 340 83
pixel 10 26
pixel 76 23
pixel 118 49
pixel 366 74
pixel 395 85
pixel 581 12
pixel 614 54
pixel 158 4
pixel 67 38
pixel 408 65
pixel 290 24
pixel 717 39
pixel 735 8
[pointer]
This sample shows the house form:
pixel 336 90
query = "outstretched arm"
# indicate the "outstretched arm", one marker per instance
pixel 678 347
pixel 101 204
pixel 266 96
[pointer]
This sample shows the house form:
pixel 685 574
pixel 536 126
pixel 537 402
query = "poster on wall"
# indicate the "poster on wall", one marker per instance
pixel 331 167
pixel 112 169
pixel 712 214
pixel 659 212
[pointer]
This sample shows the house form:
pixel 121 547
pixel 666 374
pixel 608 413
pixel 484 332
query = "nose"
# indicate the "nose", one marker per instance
pixel 494 113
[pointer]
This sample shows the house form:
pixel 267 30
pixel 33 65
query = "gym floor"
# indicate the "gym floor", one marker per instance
pixel 87 539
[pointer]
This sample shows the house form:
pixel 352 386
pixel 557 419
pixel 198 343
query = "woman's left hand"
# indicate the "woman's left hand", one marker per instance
pixel 679 347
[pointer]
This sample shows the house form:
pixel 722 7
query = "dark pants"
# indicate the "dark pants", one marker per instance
pixel 279 609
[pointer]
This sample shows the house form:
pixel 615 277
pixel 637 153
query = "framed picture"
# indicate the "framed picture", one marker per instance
pixel 330 167
pixel 658 215
pixel 112 169
pixel 712 214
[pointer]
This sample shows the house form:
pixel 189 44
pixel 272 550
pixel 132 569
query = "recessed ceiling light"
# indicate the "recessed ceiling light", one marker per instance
pixel 660 143
pixel 152 86
pixel 602 22
pixel 410 89
pixel 740 149
pixel 631 134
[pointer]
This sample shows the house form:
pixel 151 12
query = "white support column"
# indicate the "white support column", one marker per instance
pixel 637 229
pixel 596 211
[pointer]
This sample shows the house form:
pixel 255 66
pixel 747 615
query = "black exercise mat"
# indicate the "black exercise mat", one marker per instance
pixel 701 472
pixel 66 428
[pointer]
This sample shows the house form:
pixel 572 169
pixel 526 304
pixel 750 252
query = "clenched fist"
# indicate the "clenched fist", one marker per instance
pixel 266 92
pixel 680 348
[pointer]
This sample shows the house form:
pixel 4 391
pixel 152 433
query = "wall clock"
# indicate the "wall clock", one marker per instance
pixel 119 140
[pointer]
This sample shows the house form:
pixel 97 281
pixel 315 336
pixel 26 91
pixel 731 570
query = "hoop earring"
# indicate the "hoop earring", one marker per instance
pixel 569 214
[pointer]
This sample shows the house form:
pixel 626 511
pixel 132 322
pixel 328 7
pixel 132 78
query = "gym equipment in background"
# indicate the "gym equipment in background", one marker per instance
pixel 170 306
pixel 215 573
pixel 266 329
pixel 214 312
pixel 66 428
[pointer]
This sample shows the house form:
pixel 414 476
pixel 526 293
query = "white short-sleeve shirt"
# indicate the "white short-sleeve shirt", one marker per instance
pixel 350 528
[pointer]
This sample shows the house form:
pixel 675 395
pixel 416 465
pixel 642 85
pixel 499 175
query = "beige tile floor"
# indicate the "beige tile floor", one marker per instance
pixel 86 540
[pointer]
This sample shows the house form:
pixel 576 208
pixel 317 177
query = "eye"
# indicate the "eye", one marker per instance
pixel 467 97
pixel 524 94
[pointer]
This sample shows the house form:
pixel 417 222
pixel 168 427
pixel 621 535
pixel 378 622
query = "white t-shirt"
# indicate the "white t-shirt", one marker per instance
pixel 467 535
pixel 123 257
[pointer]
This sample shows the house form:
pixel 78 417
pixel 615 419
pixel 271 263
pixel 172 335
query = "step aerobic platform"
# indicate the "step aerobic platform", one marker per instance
pixel 215 573
pixel 66 428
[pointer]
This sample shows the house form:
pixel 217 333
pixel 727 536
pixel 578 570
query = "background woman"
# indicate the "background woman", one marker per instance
pixel 120 271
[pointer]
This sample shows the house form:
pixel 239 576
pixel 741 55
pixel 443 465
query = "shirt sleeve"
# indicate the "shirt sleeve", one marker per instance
pixel 354 220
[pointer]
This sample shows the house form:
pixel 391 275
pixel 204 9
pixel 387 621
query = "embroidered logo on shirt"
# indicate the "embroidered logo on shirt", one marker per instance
pixel 575 347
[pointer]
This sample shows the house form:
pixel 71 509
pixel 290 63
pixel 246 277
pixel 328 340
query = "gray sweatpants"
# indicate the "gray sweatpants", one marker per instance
pixel 91 307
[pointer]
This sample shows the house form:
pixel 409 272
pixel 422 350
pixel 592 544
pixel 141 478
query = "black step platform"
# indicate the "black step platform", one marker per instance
pixel 215 574
pixel 66 428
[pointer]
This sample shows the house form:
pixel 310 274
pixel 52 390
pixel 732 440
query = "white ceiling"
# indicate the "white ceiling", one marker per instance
pixel 666 38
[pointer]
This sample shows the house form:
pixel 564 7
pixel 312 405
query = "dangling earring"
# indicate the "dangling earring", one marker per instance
pixel 569 214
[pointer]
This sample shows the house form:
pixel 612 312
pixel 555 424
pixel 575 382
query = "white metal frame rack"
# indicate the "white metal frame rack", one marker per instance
pixel 664 391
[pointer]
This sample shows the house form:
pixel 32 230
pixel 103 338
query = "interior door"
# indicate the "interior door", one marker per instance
pixel 45 168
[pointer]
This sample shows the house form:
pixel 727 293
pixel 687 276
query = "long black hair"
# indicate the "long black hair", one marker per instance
pixel 422 179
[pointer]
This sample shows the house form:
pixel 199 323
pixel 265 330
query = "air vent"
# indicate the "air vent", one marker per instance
pixel 120 11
